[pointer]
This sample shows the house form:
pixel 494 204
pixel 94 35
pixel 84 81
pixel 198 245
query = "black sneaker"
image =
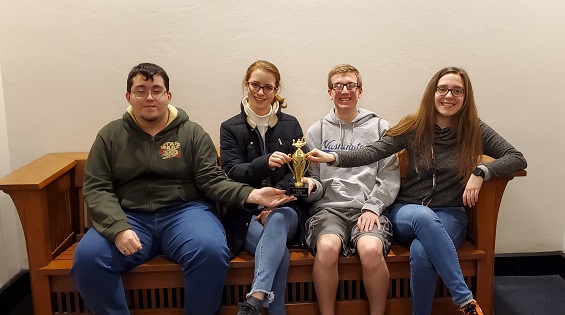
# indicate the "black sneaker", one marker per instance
pixel 248 309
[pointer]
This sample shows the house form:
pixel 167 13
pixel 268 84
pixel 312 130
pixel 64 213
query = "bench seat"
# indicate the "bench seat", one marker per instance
pixel 161 270
pixel 47 193
pixel 61 265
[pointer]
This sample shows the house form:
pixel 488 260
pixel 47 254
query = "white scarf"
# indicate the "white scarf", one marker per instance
pixel 261 122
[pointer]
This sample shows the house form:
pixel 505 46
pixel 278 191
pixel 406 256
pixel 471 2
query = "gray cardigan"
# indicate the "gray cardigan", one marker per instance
pixel 417 183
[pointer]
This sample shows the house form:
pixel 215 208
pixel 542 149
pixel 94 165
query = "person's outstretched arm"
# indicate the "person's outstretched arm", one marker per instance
pixel 268 197
pixel 372 153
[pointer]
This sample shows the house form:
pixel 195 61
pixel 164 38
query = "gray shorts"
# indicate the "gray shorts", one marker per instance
pixel 343 223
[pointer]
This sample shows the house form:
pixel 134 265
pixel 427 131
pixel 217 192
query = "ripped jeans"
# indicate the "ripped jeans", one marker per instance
pixel 268 244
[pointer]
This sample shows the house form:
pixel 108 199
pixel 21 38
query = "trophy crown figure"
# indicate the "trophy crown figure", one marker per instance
pixel 299 143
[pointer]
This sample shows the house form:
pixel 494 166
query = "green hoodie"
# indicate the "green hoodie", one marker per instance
pixel 128 169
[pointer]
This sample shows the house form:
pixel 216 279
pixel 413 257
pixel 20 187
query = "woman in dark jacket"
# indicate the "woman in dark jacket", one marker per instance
pixel 255 146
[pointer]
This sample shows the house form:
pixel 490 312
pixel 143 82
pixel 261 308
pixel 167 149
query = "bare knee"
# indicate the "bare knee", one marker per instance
pixel 328 247
pixel 370 249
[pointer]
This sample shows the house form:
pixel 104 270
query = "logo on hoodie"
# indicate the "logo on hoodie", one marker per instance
pixel 333 145
pixel 170 150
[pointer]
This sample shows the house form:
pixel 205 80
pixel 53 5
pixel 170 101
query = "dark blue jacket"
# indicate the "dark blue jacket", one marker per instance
pixel 245 159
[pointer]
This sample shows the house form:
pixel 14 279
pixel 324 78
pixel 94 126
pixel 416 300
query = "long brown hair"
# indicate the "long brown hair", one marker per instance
pixel 269 67
pixel 465 125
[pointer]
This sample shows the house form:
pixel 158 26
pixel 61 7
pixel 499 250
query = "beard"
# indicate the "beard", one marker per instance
pixel 149 119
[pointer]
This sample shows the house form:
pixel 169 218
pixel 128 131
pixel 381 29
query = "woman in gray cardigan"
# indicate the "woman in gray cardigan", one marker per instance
pixel 444 141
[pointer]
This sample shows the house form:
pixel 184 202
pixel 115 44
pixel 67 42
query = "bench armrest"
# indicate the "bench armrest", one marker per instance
pixel 45 197
pixel 484 215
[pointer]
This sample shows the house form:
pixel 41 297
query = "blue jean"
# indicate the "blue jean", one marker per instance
pixel 268 244
pixel 433 235
pixel 189 234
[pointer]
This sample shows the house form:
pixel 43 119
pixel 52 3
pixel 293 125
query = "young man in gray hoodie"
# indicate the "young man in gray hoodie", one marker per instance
pixel 347 218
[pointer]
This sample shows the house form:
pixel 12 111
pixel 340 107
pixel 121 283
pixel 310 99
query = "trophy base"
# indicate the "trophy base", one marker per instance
pixel 298 191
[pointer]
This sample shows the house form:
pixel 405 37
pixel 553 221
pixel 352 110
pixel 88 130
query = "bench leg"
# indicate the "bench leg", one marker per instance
pixel 41 294
pixel 485 283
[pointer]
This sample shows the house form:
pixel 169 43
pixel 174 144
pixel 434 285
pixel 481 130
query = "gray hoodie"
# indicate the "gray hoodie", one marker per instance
pixel 372 187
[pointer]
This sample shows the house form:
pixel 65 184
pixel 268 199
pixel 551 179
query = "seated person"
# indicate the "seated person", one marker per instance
pixel 146 180
pixel 444 140
pixel 348 217
pixel 255 146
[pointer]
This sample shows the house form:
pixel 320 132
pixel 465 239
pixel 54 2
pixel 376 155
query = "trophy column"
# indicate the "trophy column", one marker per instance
pixel 298 166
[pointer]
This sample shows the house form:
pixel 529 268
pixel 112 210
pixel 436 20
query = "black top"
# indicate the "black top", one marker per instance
pixel 245 158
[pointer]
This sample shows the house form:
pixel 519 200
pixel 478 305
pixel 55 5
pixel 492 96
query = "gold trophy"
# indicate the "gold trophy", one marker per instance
pixel 298 168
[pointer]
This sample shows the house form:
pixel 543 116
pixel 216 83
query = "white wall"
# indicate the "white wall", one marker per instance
pixel 64 67
pixel 12 246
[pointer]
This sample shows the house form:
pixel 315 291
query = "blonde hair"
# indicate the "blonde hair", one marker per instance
pixel 465 125
pixel 271 68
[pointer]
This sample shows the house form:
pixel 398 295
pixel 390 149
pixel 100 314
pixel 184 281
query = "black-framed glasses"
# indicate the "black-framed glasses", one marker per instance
pixel 351 86
pixel 155 93
pixel 457 92
pixel 256 87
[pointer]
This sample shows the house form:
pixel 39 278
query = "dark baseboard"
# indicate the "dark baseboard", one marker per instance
pixel 15 292
pixel 530 264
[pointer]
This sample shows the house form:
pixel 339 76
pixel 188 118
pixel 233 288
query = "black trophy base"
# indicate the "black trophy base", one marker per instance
pixel 298 191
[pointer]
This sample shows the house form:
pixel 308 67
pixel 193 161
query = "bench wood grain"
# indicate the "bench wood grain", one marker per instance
pixel 47 194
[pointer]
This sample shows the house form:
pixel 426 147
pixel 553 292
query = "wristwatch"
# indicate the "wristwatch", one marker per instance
pixel 479 172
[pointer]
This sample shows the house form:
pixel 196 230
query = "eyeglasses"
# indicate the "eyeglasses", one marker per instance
pixel 155 93
pixel 456 92
pixel 256 87
pixel 351 86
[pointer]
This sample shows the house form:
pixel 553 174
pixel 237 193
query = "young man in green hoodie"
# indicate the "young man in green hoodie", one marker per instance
pixel 147 179
pixel 348 218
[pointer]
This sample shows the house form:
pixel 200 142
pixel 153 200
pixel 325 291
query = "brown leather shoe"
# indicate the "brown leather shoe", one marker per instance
pixel 471 308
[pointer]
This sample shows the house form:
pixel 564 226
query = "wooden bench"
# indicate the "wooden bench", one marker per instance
pixel 48 196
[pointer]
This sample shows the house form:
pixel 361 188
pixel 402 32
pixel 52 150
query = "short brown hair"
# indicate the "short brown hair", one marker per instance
pixel 344 68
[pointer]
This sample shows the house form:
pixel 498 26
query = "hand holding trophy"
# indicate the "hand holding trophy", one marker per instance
pixel 298 166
